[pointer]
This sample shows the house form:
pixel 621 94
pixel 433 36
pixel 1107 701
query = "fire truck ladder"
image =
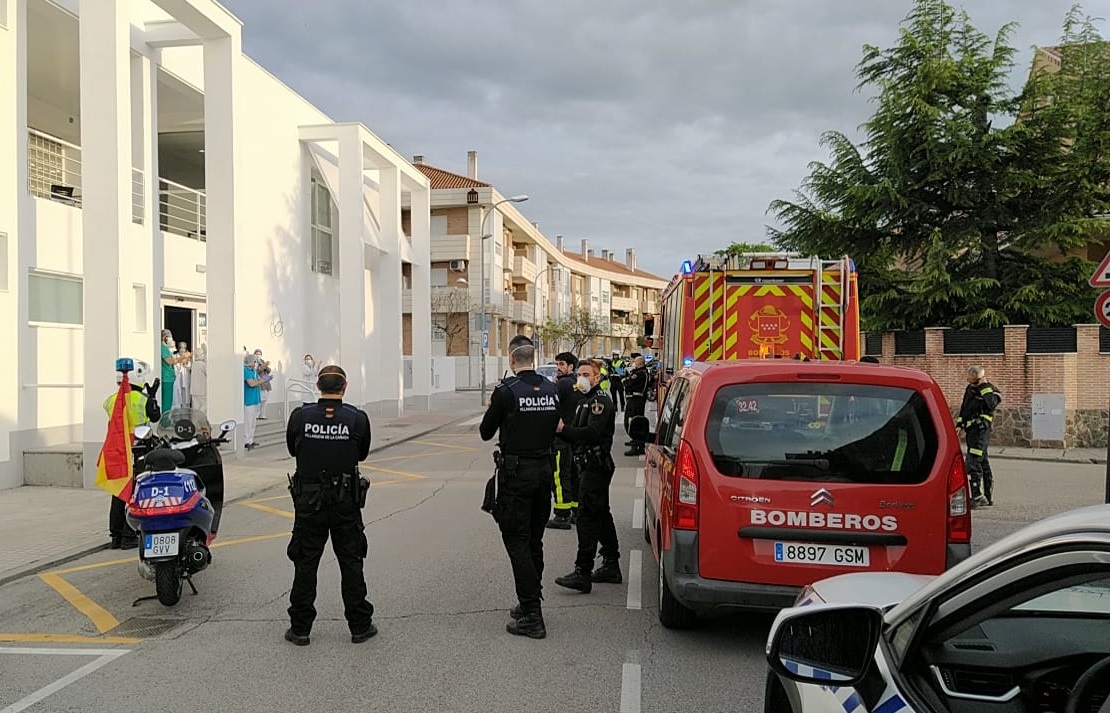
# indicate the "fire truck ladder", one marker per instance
pixel 831 307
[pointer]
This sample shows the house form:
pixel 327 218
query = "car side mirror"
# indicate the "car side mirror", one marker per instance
pixel 640 430
pixel 143 432
pixel 227 426
pixel 824 644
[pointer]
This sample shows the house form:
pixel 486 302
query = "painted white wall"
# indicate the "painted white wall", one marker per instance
pixel 10 177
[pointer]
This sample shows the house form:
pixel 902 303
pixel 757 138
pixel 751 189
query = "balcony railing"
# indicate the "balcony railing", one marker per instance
pixel 53 168
pixel 623 304
pixel 524 270
pixel 619 329
pixel 651 307
pixel 138 196
pixel 523 311
pixel 447 248
pixel 181 210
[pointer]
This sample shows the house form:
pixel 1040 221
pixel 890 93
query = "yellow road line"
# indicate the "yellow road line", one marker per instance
pixel 416 476
pixel 100 617
pixel 66 639
pixel 95 565
pixel 245 540
pixel 446 445
pixel 267 508
pixel 270 499
pixel 414 455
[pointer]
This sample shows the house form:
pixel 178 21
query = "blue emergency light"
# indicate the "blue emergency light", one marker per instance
pixel 687 267
pixel 688 361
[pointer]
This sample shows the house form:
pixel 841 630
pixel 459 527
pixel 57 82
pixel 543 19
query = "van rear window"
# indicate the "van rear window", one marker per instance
pixel 841 433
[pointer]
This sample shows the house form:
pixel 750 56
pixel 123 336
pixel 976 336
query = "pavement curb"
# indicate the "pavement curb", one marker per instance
pixel 78 554
pixel 1048 459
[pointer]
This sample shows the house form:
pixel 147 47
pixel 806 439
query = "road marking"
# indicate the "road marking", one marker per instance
pixel 245 540
pixel 100 617
pixel 66 639
pixel 273 511
pixel 630 685
pixel 104 657
pixel 445 445
pixel 635 578
pixel 472 421
pixel 639 477
pixel 409 457
pixel 638 514
pixel 415 476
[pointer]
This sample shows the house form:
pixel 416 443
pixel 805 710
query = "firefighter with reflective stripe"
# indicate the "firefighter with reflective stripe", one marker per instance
pixel 636 386
pixel 524 411
pixel 981 398
pixel 591 434
pixel 143 405
pixel 565 482
pixel 328 438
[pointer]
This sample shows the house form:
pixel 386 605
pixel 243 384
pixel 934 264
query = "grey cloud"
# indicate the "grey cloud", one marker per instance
pixel 664 125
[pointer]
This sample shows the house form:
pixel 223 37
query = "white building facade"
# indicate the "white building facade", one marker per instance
pixel 154 176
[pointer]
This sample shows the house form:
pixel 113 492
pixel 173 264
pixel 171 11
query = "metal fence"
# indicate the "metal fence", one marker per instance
pixel 1051 340
pixel 181 210
pixel 873 343
pixel 1104 340
pixel 53 168
pixel 911 342
pixel 975 341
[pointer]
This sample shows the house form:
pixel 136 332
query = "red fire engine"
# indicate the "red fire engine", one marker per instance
pixel 759 305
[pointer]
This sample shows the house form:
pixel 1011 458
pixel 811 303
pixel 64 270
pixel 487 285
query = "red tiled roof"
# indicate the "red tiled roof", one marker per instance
pixel 612 266
pixel 440 179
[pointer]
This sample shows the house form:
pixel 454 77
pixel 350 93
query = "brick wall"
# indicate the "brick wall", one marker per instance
pixel 1083 378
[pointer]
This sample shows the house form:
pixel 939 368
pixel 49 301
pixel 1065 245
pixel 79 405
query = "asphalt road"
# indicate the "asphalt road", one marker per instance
pixel 439 578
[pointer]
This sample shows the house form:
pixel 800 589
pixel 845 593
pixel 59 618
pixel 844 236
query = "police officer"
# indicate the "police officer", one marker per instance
pixel 981 398
pixel 524 410
pixel 143 405
pixel 616 380
pixel 591 434
pixel 636 385
pixel 328 439
pixel 565 482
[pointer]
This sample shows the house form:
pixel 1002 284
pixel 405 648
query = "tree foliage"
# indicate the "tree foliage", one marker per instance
pixel 964 199
pixel 582 327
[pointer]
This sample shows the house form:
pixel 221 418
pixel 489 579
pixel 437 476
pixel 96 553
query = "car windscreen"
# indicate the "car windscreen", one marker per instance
pixel 822 432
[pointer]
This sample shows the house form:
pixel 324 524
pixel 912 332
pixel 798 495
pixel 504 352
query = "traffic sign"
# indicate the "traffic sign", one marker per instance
pixel 1102 309
pixel 485 341
pixel 1101 278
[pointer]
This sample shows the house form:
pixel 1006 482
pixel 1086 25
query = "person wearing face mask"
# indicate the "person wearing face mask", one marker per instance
pixel 524 410
pixel 591 434
pixel 169 375
pixel 565 485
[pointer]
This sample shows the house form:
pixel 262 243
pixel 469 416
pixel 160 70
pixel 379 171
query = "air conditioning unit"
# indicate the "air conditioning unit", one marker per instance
pixel 458 265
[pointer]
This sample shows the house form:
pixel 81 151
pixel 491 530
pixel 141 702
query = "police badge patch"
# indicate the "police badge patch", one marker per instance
pixel 597 408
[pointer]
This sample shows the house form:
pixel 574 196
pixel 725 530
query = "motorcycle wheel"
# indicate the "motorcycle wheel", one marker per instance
pixel 167 583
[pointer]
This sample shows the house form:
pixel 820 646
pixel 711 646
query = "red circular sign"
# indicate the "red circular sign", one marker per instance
pixel 1102 309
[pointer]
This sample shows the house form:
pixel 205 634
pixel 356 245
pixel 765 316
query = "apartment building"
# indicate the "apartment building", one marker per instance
pixel 156 177
pixel 524 279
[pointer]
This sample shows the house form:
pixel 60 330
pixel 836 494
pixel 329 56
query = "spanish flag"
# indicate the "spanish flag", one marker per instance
pixel 114 467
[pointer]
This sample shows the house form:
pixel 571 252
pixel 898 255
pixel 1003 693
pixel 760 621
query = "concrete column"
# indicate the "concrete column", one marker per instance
pixel 222 60
pixel 105 39
pixel 352 284
pixel 143 242
pixel 387 299
pixel 151 210
pixel 421 225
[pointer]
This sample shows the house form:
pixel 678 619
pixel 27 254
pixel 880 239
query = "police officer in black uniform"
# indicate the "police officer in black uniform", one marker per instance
pixel 565 482
pixel 524 410
pixel 591 434
pixel 981 398
pixel 328 439
pixel 636 386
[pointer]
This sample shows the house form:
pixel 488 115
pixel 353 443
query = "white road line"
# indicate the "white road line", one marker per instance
pixel 635 579
pixel 630 688
pixel 638 514
pixel 105 657
pixel 639 477
pixel 473 421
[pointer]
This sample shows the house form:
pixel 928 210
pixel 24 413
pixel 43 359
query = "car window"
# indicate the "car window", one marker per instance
pixel 678 419
pixel 675 391
pixel 1090 598
pixel 858 433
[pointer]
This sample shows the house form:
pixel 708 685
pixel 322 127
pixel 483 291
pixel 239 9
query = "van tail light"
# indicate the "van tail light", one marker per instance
pixel 686 488
pixel 959 502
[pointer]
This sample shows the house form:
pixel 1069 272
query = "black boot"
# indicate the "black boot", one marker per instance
pixel 116 540
pixel 559 521
pixel 529 624
pixel 516 612
pixel 574 516
pixel 578 579
pixel 129 542
pixel 608 573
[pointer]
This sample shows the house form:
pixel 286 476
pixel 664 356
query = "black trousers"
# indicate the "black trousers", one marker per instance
pixel 636 407
pixel 343 522
pixel 616 386
pixel 978 463
pixel 523 506
pixel 595 519
pixel 117 519
pixel 564 486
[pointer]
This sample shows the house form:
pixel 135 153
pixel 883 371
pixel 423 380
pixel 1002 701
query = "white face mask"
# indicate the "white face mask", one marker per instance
pixel 583 384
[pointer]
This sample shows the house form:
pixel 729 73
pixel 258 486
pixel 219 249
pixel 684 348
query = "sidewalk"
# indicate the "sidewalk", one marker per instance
pixel 41 527
pixel 1052 455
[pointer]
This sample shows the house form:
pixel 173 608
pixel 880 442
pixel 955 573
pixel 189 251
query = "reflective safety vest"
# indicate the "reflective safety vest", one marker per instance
pixel 137 405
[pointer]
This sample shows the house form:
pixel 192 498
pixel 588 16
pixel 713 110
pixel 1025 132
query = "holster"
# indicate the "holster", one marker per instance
pixel 363 489
pixel 489 497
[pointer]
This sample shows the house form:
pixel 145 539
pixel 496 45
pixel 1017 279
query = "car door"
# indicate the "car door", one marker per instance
pixel 656 457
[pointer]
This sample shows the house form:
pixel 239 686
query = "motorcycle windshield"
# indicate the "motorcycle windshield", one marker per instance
pixel 183 423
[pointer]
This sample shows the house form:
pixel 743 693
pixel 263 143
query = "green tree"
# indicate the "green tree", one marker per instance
pixel 741 248
pixel 948 199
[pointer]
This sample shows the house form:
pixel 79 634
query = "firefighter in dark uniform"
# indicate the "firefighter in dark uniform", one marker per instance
pixel 328 438
pixel 524 411
pixel 591 434
pixel 981 398
pixel 565 482
pixel 636 386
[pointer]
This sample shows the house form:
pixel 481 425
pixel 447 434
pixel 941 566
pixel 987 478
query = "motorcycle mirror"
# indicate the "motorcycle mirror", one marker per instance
pixel 227 426
pixel 143 431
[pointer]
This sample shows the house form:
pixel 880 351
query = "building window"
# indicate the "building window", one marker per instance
pixel 139 294
pixel 322 235
pixel 53 299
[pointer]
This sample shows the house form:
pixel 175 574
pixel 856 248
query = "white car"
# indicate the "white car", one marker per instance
pixel 1022 626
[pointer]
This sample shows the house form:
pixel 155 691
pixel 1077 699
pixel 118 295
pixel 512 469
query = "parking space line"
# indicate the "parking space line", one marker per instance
pixel 414 476
pixel 639 477
pixel 472 421
pixel 630 684
pixel 66 639
pixel 635 579
pixel 638 514
pixel 98 615
pixel 453 447
pixel 245 540
pixel 266 508
pixel 104 657
pixel 408 457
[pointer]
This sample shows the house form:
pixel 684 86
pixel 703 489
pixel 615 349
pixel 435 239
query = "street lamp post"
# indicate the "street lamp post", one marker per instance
pixel 485 295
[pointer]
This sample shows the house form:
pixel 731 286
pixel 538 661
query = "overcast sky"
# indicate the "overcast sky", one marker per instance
pixel 663 125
